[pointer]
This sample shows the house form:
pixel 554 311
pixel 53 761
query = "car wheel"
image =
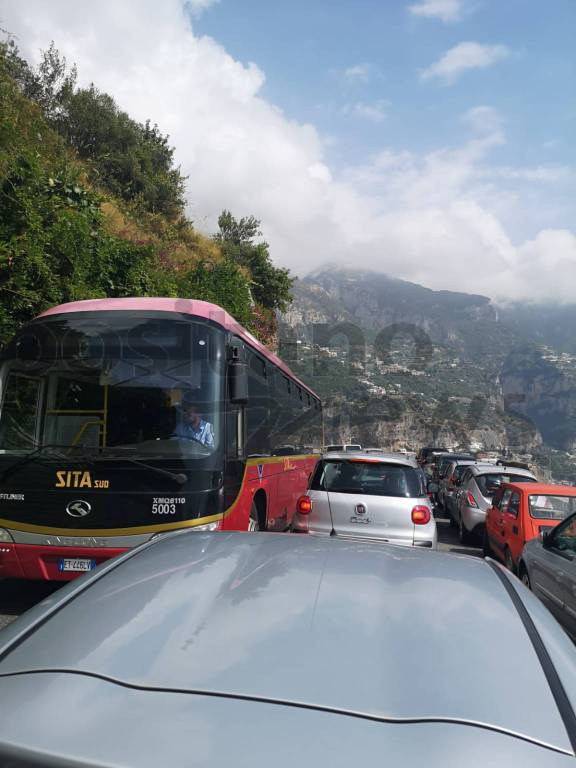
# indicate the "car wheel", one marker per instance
pixel 464 535
pixel 508 561
pixel 525 579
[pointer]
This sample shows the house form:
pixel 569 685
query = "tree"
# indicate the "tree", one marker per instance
pixel 134 160
pixel 271 286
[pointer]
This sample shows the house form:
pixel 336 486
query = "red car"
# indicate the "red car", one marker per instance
pixel 520 512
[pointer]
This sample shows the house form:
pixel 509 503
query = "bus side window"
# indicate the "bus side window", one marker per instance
pixel 258 408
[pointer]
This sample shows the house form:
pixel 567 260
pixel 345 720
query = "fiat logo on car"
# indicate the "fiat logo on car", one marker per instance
pixel 360 509
pixel 78 508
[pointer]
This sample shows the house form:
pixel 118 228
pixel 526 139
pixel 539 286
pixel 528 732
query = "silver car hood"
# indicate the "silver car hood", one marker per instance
pixel 373 630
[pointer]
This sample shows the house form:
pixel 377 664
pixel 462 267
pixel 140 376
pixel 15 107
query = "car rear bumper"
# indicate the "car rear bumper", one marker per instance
pixel 473 519
pixel 30 561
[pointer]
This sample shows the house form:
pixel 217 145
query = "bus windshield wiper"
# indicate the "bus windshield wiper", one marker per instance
pixel 178 477
pixel 33 454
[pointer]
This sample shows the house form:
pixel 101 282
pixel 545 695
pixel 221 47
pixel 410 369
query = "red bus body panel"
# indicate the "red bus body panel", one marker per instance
pixel 282 478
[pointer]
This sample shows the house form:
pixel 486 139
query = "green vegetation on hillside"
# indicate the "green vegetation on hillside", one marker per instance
pixel 92 205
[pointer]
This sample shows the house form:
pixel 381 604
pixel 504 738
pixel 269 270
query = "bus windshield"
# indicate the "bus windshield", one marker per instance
pixel 114 383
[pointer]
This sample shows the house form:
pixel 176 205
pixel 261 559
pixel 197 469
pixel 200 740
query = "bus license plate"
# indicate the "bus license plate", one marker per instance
pixel 75 564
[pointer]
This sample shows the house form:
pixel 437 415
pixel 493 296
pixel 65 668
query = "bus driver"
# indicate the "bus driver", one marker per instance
pixel 192 426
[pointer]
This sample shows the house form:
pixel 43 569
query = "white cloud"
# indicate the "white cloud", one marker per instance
pixel 423 217
pixel 359 73
pixel 484 120
pixel 462 58
pixel 197 7
pixel 374 112
pixel 547 174
pixel 445 10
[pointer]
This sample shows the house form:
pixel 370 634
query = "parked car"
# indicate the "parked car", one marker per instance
pixel 343 447
pixel 547 566
pixel 209 650
pixel 521 512
pixel 425 454
pixel 367 496
pixel 448 485
pixel 443 462
pixel 441 467
pixel 474 496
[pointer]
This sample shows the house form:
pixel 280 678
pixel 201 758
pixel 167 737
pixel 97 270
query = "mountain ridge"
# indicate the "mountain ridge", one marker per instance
pixel 485 376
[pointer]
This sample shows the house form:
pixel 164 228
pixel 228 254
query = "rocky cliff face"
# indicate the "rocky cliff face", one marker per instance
pixel 542 392
pixel 399 365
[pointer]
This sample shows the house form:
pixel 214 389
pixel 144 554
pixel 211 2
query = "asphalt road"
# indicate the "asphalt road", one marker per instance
pixel 449 541
pixel 17 596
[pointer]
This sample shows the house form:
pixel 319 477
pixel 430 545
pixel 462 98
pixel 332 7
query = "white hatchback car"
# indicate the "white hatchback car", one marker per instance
pixel 369 497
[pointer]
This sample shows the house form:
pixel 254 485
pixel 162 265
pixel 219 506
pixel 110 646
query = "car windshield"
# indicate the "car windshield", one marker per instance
pixel 113 385
pixel 368 477
pixel 492 482
pixel 551 507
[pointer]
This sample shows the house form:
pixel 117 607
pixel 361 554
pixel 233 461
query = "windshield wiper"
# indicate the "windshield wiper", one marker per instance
pixel 29 456
pixel 178 477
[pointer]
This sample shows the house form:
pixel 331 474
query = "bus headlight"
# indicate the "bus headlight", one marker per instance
pixel 5 537
pixel 208 527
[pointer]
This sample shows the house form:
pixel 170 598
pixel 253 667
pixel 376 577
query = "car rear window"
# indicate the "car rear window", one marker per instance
pixel 490 483
pixel 551 507
pixel 459 471
pixel 374 478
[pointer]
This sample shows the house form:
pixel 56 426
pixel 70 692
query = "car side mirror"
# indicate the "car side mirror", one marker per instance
pixel 546 538
pixel 433 487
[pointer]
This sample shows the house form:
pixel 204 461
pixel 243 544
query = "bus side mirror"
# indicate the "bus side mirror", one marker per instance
pixel 238 382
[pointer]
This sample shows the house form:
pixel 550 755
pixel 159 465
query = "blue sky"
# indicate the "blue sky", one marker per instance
pixel 304 47
pixel 428 139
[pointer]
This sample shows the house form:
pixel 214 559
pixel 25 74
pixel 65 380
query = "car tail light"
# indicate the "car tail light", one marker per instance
pixel 470 500
pixel 420 515
pixel 304 505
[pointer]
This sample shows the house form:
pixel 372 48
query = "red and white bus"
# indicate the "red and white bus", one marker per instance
pixel 121 419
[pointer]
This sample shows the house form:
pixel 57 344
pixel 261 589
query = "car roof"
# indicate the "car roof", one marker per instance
pixel 500 469
pixel 371 630
pixel 386 458
pixel 543 488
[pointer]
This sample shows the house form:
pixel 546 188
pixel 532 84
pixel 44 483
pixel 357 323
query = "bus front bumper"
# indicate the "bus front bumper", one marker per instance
pixel 31 561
